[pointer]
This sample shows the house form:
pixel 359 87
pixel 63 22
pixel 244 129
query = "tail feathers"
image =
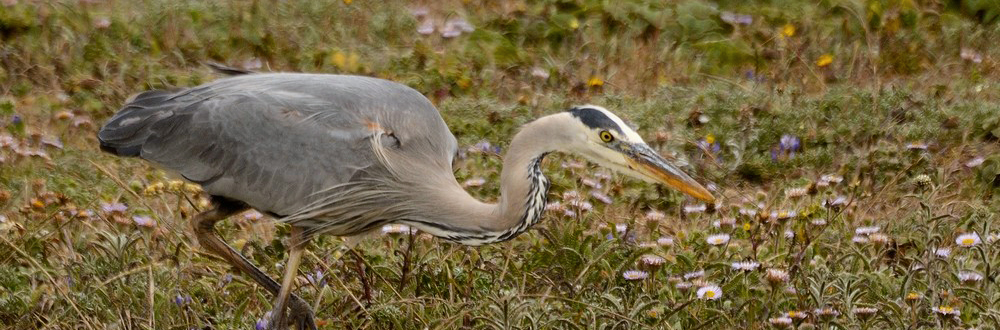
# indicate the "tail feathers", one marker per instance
pixel 125 133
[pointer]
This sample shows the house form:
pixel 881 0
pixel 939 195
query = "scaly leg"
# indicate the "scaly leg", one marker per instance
pixel 204 229
pixel 291 271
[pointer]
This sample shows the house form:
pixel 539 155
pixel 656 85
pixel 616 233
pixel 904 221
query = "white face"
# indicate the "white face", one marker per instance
pixel 611 143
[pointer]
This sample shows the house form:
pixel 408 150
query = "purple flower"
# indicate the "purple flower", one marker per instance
pixel 114 208
pixel 144 221
pixel 734 18
pixel 16 119
pixel 790 143
pixel 182 300
pixel 317 278
pixel 263 322
pixel 485 147
pixel 709 147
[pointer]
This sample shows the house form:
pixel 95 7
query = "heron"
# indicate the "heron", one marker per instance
pixel 344 155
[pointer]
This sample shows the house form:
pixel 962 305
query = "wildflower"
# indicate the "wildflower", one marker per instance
pixel 253 215
pixel 655 215
pixel 791 290
pixel 710 292
pixel 783 215
pixel 652 260
pixel 835 202
pixel 746 266
pixel 621 228
pixel 879 238
pixel 947 311
pixel 426 28
pixel 648 245
pixel 419 12
pixel 539 73
pixel 993 238
pixel 554 206
pixel 858 239
pixel 788 145
pixel 144 221
pixel 595 82
pixel 826 313
pixel 747 226
pixel 970 55
pixel 818 222
pixel 572 164
pixel 717 239
pixel 796 315
pixel 604 198
pixel 581 205
pixel 831 178
pixel 591 183
pixel 942 252
pixel 968 240
pixel 316 278
pixel 695 208
pixel 396 229
pixel 264 322
pixel 665 241
pixel 912 296
pixel 783 321
pixel 975 162
pixel 683 286
pixel 824 60
pixel 969 277
pixel 866 230
pixel 789 234
pixel 725 223
pixel 114 208
pixel 102 23
pixel 748 211
pixel 635 275
pixel 916 146
pixel 923 180
pixel 485 147
pixel 182 300
pixel 795 192
pixel 777 276
pixel 865 312
pixel 788 30
pixel 474 182
pixel 694 274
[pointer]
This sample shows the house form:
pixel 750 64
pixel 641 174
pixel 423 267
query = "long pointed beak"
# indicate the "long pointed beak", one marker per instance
pixel 650 164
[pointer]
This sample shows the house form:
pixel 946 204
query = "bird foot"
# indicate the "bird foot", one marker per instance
pixel 300 314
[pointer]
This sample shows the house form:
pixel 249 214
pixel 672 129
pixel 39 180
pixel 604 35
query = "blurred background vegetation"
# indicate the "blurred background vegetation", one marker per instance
pixel 899 97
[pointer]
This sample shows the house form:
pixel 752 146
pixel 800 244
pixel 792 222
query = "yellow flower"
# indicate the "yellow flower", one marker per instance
pixel 710 138
pixel 746 226
pixel 595 82
pixel 824 60
pixel 347 2
pixel 573 23
pixel 788 30
pixel 339 59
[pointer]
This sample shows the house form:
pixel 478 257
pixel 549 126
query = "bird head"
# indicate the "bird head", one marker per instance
pixel 602 137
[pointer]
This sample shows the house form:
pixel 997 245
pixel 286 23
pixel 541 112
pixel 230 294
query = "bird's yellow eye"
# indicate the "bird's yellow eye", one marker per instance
pixel 606 136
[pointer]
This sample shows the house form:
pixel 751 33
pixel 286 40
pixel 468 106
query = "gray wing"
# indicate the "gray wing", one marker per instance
pixel 275 140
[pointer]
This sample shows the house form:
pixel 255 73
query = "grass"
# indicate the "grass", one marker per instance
pixel 897 98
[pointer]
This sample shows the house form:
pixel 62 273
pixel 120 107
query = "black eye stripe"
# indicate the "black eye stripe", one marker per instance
pixel 594 118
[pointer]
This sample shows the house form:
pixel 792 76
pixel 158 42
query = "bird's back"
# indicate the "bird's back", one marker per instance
pixel 275 141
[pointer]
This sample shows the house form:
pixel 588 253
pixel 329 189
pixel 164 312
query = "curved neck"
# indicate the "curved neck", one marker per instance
pixel 462 218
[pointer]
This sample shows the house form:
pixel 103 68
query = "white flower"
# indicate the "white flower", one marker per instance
pixel 695 208
pixel 789 234
pixel 655 215
pixel 696 274
pixel 777 275
pixel 974 162
pixel 916 146
pixel 474 182
pixel 621 228
pixel 717 239
pixel 796 192
pixel 748 211
pixel 968 240
pixel 832 178
pixel 652 260
pixel 665 241
pixel 866 230
pixel 818 222
pixel 796 314
pixel 947 311
pixel 865 311
pixel 969 277
pixel 942 252
pixel 539 73
pixel 859 239
pixel 879 238
pixel 783 215
pixel 710 292
pixel 591 183
pixel 783 321
pixel 746 266
pixel 635 275
pixel 604 198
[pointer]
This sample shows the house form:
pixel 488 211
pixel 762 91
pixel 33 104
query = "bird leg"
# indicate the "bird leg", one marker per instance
pixel 204 229
pixel 291 271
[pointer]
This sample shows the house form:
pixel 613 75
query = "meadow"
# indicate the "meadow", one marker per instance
pixel 854 147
